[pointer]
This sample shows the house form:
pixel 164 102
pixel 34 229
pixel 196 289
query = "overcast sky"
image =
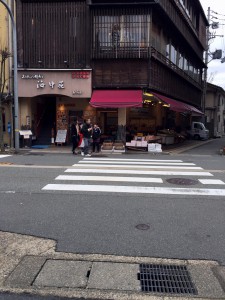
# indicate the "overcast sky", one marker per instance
pixel 216 69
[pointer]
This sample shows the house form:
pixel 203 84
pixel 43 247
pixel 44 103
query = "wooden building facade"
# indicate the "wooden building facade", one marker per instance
pixel 155 46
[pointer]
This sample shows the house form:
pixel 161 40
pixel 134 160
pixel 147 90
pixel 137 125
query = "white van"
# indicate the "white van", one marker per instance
pixel 198 131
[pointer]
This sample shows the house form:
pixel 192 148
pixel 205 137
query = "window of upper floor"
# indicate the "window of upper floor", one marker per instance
pixel 117 32
pixel 176 54
pixel 189 10
pixel 219 100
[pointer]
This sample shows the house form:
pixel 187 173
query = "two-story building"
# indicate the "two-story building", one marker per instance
pixel 215 110
pixel 132 63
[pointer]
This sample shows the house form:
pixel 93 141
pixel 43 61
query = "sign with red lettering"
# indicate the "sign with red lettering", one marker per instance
pixel 80 74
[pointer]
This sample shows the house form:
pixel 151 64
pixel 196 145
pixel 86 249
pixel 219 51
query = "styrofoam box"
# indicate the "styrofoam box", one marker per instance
pixel 139 144
pixel 133 143
pixel 158 146
pixel 144 143
pixel 151 147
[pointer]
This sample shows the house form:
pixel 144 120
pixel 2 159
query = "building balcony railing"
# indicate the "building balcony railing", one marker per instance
pixel 168 63
pixel 120 52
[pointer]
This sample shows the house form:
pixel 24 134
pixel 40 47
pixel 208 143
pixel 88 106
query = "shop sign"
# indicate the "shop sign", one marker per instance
pixel 41 84
pixel 81 74
pixel 55 82
pixel 32 76
pixel 77 92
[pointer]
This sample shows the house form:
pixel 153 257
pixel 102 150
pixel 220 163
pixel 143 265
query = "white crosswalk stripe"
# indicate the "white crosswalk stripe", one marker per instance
pixel 96 174
pixel 137 172
pixel 140 167
pixel 103 178
pixel 135 189
pixel 4 155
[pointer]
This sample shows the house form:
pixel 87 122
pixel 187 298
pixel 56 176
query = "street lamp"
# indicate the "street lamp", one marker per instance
pixel 16 106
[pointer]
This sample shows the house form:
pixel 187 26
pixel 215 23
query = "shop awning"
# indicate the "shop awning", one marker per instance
pixel 178 106
pixel 194 110
pixel 116 98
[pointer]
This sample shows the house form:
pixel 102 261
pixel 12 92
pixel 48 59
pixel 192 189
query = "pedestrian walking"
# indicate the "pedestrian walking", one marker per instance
pixel 96 138
pixel 87 132
pixel 75 130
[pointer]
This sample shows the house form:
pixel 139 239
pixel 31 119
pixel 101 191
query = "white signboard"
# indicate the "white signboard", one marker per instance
pixel 25 132
pixel 61 136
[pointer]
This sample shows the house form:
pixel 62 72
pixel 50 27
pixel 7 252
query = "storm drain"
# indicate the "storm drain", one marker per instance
pixel 173 279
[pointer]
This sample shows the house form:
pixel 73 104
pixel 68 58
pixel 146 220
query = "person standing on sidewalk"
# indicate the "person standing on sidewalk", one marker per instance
pixel 87 132
pixel 75 129
pixel 96 138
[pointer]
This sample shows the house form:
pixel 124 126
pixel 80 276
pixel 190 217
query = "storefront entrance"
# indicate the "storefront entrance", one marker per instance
pixel 44 125
pixel 108 122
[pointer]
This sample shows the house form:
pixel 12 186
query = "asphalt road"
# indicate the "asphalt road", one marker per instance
pixel 181 226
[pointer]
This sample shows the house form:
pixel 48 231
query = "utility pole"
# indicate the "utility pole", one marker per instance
pixel 206 63
pixel 216 55
pixel 16 105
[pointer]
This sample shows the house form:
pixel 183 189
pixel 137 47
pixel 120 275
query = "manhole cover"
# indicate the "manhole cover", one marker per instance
pixel 170 279
pixel 182 181
pixel 142 227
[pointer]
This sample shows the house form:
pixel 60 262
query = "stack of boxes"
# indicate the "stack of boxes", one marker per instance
pixel 140 142
pixel 154 147
pixel 110 147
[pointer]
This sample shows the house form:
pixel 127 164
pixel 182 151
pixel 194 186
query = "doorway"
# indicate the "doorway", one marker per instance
pixel 108 122
pixel 45 120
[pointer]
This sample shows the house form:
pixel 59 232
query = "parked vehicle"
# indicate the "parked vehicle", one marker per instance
pixel 198 131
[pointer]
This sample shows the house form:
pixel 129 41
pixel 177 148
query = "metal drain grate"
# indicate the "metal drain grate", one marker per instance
pixel 171 279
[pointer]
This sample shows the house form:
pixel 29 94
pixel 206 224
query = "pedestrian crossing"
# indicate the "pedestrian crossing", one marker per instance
pixel 136 176
pixel 4 155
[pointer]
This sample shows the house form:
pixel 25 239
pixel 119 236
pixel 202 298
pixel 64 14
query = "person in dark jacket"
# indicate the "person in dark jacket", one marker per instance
pixel 96 138
pixel 87 132
pixel 75 129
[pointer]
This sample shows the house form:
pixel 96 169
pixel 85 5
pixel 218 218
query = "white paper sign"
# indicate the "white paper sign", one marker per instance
pixel 25 132
pixel 61 136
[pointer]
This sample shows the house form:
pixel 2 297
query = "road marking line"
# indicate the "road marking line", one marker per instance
pixel 134 189
pixel 211 181
pixel 103 178
pixel 137 163
pixel 138 172
pixel 4 155
pixel 137 167
pixel 128 159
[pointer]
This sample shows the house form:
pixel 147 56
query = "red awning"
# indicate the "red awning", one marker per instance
pixel 116 98
pixel 179 106
pixel 194 110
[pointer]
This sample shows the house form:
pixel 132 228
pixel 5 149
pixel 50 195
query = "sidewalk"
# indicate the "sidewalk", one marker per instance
pixel 166 149
pixel 31 265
